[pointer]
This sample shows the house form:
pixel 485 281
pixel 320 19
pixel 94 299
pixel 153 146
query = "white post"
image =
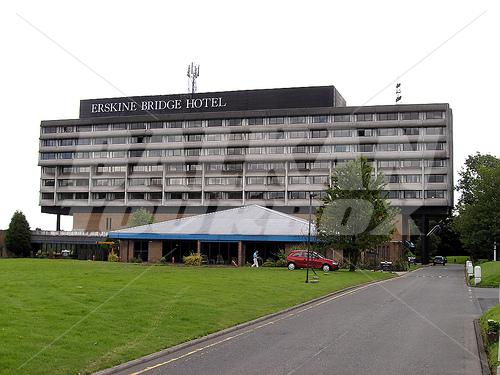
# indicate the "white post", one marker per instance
pixel 495 251
pixel 477 275
pixel 470 268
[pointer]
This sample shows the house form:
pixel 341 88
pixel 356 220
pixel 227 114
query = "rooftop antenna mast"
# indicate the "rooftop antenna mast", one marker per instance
pixel 193 73
pixel 398 92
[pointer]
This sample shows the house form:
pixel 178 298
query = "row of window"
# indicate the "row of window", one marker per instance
pixel 390 116
pixel 414 178
pixel 190 167
pixel 270 150
pixel 218 137
pixel 250 195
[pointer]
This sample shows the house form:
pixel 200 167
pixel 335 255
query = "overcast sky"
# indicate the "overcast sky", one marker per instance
pixel 55 53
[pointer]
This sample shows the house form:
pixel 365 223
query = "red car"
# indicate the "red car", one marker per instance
pixel 298 259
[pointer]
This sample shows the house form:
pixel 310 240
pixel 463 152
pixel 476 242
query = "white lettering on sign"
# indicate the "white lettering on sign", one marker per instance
pixel 157 105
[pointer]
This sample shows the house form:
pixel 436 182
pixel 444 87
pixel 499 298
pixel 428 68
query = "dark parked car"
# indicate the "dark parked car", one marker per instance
pixel 298 259
pixel 439 260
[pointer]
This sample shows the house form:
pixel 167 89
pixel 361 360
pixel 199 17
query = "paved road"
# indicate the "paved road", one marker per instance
pixel 421 323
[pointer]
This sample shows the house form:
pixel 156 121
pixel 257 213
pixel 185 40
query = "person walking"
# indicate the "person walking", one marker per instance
pixel 256 259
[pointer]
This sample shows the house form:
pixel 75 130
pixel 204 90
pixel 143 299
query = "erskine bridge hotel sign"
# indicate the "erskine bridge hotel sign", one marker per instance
pixel 305 97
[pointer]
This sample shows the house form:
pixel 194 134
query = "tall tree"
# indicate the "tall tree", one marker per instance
pixel 141 217
pixel 18 236
pixel 355 215
pixel 478 208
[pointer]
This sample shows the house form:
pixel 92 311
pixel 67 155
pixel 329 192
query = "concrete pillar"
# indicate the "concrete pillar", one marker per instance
pixel 154 251
pixel 241 254
pixel 198 247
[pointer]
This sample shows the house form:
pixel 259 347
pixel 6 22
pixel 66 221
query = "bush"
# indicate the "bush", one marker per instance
pixel 281 261
pixel 192 260
pixel 400 265
pixel 136 260
pixel 163 260
pixel 269 263
pixel 112 257
pixel 493 326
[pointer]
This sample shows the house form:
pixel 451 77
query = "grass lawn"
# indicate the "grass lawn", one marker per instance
pixel 490 275
pixel 492 350
pixel 87 316
pixel 457 259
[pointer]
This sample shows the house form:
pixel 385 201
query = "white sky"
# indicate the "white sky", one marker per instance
pixel 144 47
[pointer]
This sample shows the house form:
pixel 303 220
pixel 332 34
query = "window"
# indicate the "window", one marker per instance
pixel 136 153
pixel 319 133
pixel 276 120
pixel 256 167
pixel 298 134
pixel 213 195
pixel 256 136
pixel 69 155
pixel 410 178
pixel 194 195
pixel 342 133
pixel 434 131
pixel 410 146
pixel 390 194
pixel 146 168
pixel 392 116
pixel 100 141
pixel 388 147
pixel 173 195
pixel 194 137
pixel 233 122
pixel 435 146
pixel 256 150
pixel 298 120
pixel 435 178
pixel 214 123
pixel 409 116
pixel 275 180
pixel 364 117
pixel 110 168
pixel 84 128
pixel 412 194
pixel 298 195
pixel 234 195
pixel 298 150
pixel 214 137
pixel 174 124
pixel 276 135
pixel 156 139
pixel 49 142
pixel 391 178
pixel 323 180
pixel 64 196
pixel 155 182
pixel 275 195
pixel 48 170
pixel 299 165
pixel 366 132
pixel 174 138
pixel 215 151
pixel 119 126
pixel 236 136
pixel 175 167
pixel 276 150
pixel 366 148
pixel 137 182
pixel 295 180
pixel 118 141
pixel 436 163
pixel 235 151
pixel 342 148
pixel 320 149
pixel 156 125
pixel 192 151
pixel 101 127
pixel 385 132
pixel 49 130
pixel 256 121
pixel 48 182
pixel 47 196
pixel 172 181
pixel 136 196
pixel 435 194
pixel 411 131
pixel 174 152
pixel 155 153
pixel 67 129
pixel 341 118
pixel 257 180
pixel 193 181
pixel 433 115
pixel 388 163
pixel 81 196
pixel 410 164
pixel 100 154
pixel 196 123
pixel 319 165
pixel 67 142
pixel 138 125
pixel 255 195
pixel 320 119
pixel 215 167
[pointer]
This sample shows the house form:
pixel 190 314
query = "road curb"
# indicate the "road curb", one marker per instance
pixel 187 344
pixel 483 358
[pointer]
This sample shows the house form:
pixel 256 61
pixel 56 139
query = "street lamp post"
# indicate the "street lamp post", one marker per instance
pixel 309 236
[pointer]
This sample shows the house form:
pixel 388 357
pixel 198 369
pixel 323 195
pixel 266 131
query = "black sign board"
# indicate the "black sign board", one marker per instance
pixel 301 97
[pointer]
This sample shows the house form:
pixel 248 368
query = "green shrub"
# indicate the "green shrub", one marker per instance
pixel 192 260
pixel 136 260
pixel 269 263
pixel 493 326
pixel 163 260
pixel 281 261
pixel 400 265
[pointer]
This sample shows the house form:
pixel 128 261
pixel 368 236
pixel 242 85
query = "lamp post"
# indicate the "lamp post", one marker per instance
pixel 309 236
